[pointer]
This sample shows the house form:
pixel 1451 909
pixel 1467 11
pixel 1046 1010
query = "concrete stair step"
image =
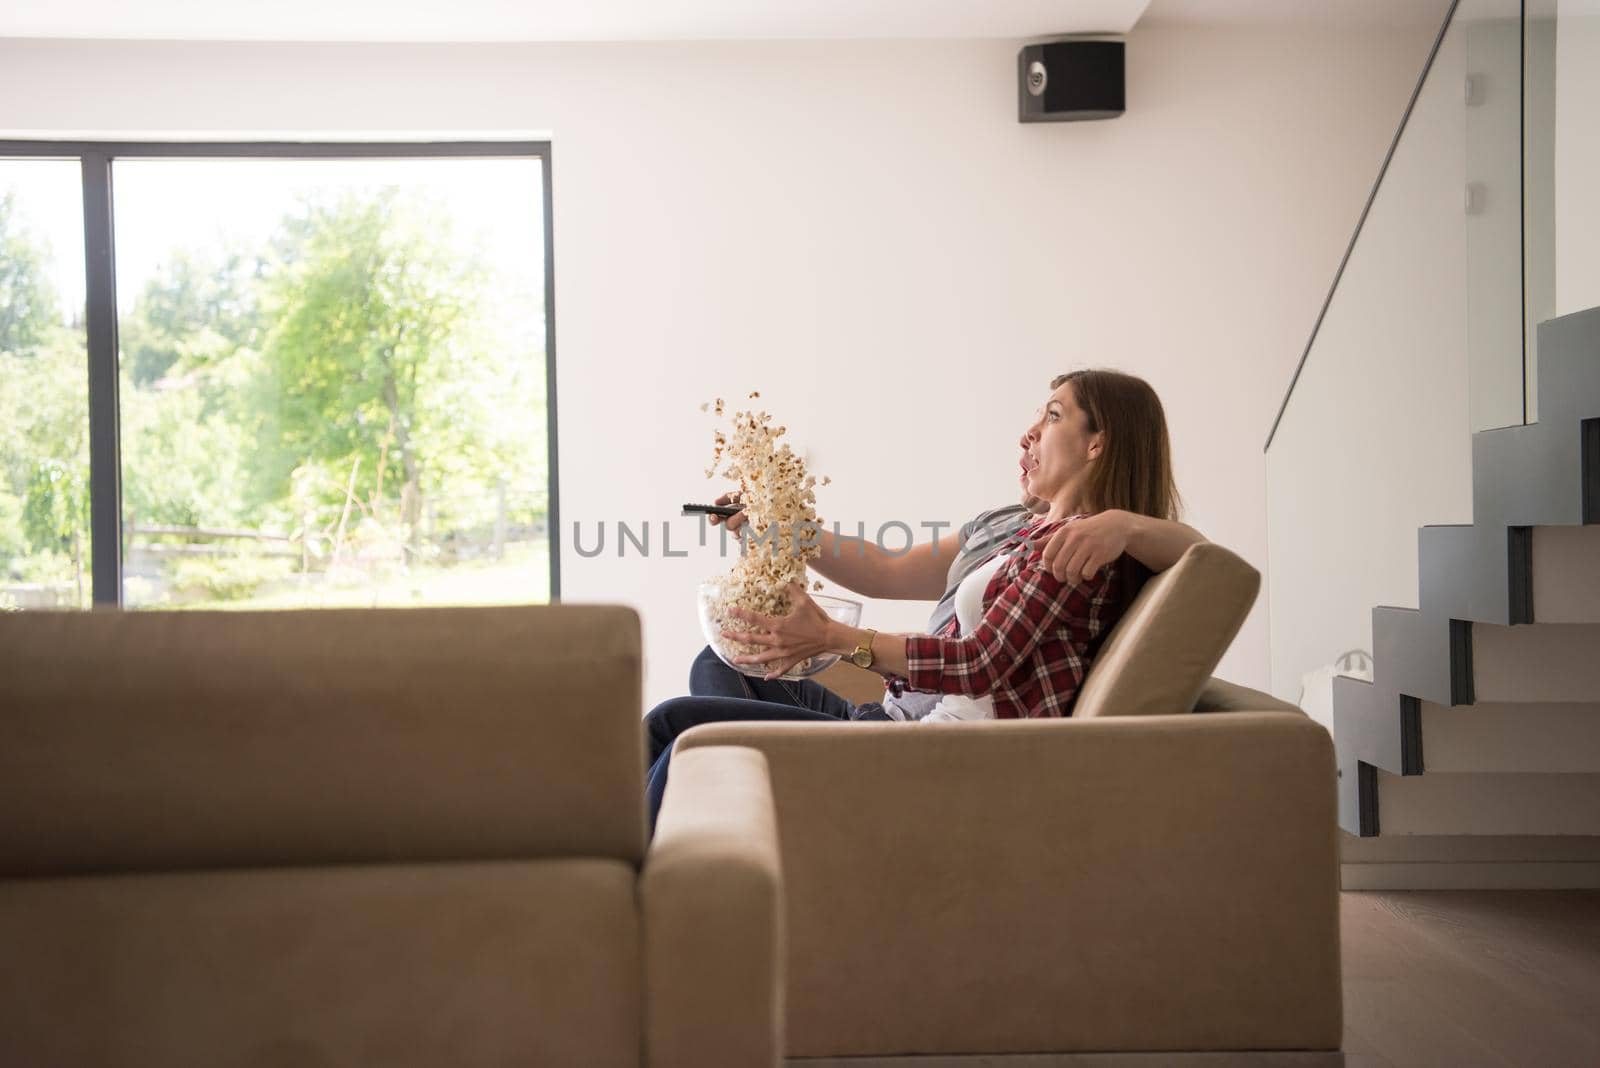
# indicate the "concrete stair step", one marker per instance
pixel 1411 654
pixel 1569 367
pixel 1511 737
pixel 1509 575
pixel 1544 662
pixel 1506 492
pixel 1566 574
pixel 1469 862
pixel 1468 803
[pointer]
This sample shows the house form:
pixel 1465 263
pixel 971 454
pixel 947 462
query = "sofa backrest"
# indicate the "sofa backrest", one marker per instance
pixel 147 741
pixel 1160 655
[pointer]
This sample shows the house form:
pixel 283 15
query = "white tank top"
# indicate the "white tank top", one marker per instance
pixel 969 613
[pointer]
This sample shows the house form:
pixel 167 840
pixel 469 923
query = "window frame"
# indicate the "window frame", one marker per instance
pixel 96 159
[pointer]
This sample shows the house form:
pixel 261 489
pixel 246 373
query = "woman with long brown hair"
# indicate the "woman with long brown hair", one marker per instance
pixel 1023 646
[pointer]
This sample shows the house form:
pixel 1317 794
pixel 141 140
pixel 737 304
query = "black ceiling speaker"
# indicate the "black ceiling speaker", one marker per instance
pixel 1066 81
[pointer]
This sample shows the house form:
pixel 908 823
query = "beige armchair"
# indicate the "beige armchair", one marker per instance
pixel 368 837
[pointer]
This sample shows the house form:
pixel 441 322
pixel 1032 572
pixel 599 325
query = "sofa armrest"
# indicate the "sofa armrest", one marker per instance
pixel 711 895
pixel 1138 883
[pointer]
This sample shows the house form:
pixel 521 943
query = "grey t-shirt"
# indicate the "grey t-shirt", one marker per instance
pixel 975 543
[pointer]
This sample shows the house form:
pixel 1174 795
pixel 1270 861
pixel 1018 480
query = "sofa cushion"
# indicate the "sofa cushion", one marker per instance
pixel 470 965
pixel 1220 695
pixel 1160 655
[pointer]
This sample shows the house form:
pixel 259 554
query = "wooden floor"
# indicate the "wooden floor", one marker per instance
pixel 1471 977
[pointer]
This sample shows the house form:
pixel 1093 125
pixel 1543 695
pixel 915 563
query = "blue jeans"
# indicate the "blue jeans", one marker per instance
pixel 719 694
pixel 710 677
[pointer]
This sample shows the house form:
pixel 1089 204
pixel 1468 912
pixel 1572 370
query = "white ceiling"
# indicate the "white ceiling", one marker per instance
pixel 559 20
pixel 1279 12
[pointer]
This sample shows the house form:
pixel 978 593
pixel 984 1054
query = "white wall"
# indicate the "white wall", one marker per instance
pixel 1561 165
pixel 1376 441
pixel 1577 156
pixel 1489 166
pixel 863 232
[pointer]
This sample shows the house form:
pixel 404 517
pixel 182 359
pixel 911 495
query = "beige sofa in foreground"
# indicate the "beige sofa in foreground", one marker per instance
pixel 347 838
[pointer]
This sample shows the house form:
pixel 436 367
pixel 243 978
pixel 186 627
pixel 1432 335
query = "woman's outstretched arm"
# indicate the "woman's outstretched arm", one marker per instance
pixel 861 566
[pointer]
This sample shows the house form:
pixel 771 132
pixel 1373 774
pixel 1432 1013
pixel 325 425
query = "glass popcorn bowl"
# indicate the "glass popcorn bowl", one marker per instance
pixel 713 615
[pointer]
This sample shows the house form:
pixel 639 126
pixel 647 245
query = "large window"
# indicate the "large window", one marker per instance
pixel 45 548
pixel 281 376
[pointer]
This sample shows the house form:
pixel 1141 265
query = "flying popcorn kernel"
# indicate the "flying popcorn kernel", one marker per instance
pixel 778 505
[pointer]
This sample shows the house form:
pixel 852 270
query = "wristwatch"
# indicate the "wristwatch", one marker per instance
pixel 862 656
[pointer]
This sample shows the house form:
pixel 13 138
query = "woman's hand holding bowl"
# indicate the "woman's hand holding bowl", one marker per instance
pixel 807 631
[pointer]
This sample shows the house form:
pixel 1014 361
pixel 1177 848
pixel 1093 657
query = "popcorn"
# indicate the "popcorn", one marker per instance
pixel 780 518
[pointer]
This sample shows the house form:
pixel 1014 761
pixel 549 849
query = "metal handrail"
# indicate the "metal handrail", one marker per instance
pixel 1427 67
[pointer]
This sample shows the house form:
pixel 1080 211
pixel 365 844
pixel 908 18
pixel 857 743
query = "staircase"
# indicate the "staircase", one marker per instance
pixel 1479 735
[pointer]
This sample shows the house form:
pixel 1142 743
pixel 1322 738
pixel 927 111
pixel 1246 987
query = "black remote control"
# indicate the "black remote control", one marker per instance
pixel 723 510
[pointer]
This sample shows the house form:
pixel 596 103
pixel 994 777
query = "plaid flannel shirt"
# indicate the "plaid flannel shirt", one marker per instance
pixel 1031 650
